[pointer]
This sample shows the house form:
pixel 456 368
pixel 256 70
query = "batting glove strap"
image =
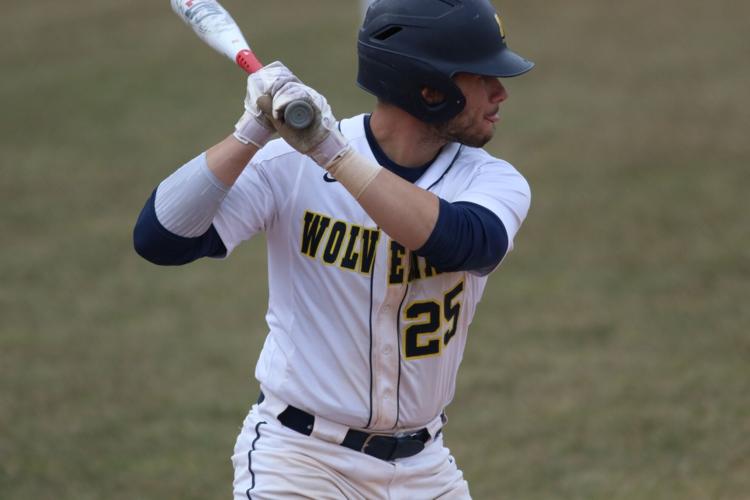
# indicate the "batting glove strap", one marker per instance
pixel 249 130
pixel 330 149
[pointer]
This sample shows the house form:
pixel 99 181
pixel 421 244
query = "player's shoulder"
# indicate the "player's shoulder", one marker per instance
pixel 473 162
pixel 353 128
pixel 481 158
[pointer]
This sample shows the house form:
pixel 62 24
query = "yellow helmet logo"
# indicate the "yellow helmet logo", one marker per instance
pixel 500 25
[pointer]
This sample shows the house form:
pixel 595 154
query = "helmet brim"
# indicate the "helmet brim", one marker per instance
pixel 505 64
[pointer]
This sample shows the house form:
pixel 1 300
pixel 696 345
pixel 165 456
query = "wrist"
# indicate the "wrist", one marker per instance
pixel 333 147
pixel 249 130
pixel 353 171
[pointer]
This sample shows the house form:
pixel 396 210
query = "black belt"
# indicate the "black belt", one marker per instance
pixel 383 446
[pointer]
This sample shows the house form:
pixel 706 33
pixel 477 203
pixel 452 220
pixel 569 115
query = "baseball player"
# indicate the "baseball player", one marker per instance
pixel 381 230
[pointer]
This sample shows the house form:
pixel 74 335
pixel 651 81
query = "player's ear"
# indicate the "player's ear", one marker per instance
pixel 432 96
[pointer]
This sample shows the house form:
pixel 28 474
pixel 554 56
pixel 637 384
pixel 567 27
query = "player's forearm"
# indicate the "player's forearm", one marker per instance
pixel 404 211
pixel 229 158
pixel 453 236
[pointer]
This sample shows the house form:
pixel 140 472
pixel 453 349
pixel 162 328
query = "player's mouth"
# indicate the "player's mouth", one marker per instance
pixel 493 117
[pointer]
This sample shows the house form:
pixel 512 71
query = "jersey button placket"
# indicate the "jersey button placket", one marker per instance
pixel 386 364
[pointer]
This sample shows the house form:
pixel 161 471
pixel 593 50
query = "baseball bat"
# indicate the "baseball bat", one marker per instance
pixel 215 26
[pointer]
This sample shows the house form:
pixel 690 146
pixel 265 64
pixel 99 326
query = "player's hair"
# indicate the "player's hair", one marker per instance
pixel 406 45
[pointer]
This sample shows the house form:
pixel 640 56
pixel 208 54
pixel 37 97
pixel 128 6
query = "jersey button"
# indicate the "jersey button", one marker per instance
pixel 387 350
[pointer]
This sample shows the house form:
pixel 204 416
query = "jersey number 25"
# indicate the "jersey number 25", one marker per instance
pixel 424 338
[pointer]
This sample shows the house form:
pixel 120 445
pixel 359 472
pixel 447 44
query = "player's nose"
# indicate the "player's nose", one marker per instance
pixel 497 91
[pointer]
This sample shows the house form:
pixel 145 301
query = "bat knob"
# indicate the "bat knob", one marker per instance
pixel 298 114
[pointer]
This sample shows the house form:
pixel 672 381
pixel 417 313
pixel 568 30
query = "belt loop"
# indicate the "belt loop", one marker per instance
pixel 271 404
pixel 436 425
pixel 329 431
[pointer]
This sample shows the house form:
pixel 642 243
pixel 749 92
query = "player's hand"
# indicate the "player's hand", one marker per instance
pixel 321 140
pixel 254 127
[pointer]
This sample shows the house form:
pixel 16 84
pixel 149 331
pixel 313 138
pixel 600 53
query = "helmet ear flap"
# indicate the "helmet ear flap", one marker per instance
pixel 453 102
pixel 432 96
pixel 400 81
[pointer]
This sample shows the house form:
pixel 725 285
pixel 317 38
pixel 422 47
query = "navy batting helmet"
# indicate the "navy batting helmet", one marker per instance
pixel 405 45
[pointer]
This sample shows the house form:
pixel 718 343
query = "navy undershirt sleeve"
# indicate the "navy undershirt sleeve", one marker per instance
pixel 158 245
pixel 466 237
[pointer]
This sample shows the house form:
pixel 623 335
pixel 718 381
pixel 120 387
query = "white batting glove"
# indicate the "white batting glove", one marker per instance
pixel 321 140
pixel 253 127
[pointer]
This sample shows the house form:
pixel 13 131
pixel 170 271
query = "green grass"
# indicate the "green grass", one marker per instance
pixel 610 357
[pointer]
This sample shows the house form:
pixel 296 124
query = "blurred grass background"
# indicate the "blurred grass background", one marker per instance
pixel 610 358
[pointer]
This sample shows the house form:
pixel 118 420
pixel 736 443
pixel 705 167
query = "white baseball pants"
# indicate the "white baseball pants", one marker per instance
pixel 274 462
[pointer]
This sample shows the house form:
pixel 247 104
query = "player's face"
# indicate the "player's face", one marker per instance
pixel 475 124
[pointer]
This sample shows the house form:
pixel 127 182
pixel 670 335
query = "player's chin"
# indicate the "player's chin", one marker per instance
pixel 473 134
pixel 478 139
pixel 476 142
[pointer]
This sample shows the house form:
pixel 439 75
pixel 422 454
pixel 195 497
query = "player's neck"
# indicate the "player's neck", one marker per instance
pixel 404 139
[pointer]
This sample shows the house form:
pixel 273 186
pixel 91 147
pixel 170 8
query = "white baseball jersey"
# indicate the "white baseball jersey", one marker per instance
pixel 362 331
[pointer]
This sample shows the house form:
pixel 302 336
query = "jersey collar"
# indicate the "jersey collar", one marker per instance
pixel 357 128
